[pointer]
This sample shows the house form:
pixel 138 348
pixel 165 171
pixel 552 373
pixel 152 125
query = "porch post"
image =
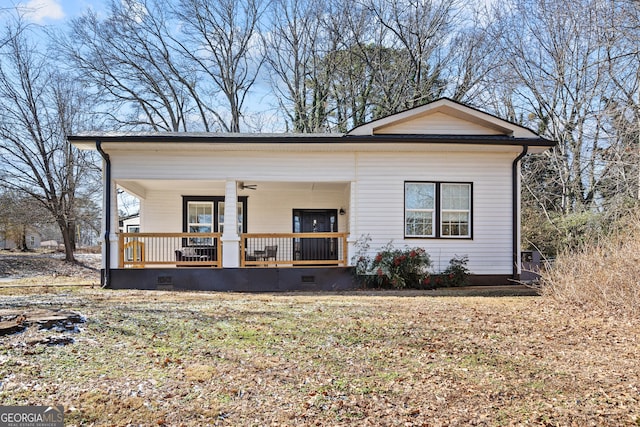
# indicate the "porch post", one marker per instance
pixel 113 228
pixel 230 238
pixel 352 238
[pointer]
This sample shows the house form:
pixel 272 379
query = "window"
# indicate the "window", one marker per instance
pixel 205 214
pixel 437 209
pixel 420 209
pixel 200 220
pixel 455 202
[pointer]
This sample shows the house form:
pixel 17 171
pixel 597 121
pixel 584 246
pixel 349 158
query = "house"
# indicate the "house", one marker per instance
pixel 10 239
pixel 269 212
pixel 129 223
pixel 51 245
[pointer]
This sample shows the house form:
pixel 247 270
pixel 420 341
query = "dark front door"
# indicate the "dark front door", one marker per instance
pixel 315 221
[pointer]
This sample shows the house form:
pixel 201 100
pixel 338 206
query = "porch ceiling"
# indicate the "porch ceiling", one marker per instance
pixel 139 187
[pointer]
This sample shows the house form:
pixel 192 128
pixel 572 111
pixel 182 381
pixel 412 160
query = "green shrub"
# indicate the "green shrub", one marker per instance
pixel 456 274
pixel 405 268
pixel 392 267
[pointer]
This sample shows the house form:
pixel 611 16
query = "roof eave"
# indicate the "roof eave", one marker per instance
pixel 89 140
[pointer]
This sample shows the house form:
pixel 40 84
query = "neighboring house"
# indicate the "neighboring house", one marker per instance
pixel 268 212
pixel 32 239
pixel 130 223
pixel 50 244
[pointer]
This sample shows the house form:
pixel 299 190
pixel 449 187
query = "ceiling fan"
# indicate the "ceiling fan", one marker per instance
pixel 244 186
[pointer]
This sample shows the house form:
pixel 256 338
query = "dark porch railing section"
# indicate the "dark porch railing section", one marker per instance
pixel 293 249
pixel 139 250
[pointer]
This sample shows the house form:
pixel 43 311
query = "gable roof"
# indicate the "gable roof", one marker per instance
pixel 443 121
pixel 443 117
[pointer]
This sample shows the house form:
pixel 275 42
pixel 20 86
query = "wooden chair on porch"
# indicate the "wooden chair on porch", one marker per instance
pixel 269 252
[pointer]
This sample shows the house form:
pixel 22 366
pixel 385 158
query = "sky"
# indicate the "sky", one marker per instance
pixel 50 12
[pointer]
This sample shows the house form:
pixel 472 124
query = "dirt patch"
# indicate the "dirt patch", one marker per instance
pixel 17 320
pixel 48 268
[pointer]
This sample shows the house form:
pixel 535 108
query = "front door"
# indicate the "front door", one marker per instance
pixel 315 221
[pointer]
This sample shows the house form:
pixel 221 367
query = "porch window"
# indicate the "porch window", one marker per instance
pixel 205 214
pixel 437 209
pixel 200 220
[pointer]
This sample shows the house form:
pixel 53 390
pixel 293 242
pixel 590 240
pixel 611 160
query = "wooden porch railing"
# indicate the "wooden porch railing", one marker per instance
pixel 140 250
pixel 293 249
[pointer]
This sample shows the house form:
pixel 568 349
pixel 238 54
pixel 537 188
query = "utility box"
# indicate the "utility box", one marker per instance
pixel 531 265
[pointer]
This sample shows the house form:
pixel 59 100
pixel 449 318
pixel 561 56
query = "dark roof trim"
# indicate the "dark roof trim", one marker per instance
pixel 451 139
pixel 186 137
pixel 204 138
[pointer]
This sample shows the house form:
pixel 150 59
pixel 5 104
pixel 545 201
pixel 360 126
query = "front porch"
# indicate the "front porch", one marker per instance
pixel 263 236
pixel 269 262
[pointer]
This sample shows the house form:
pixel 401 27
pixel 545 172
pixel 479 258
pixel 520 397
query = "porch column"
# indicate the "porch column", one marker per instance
pixel 352 238
pixel 113 227
pixel 230 238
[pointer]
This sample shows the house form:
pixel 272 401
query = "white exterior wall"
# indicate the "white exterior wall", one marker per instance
pixel 33 241
pixel 163 212
pixel 438 123
pixel 286 181
pixel 268 211
pixel 380 195
pixel 241 165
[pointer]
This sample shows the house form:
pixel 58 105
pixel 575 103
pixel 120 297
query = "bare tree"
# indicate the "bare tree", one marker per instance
pixel 38 108
pixel 131 59
pixel 621 40
pixel 472 59
pixel 222 40
pixel 570 71
pixel 292 51
pixel 343 64
pixel 420 29
pixel 390 57
pixel 552 55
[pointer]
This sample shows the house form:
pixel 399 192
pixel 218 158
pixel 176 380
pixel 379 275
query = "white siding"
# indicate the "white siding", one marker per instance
pixel 248 166
pixel 437 123
pixel 272 211
pixel 162 212
pixel 269 211
pixel 288 181
pixel 380 211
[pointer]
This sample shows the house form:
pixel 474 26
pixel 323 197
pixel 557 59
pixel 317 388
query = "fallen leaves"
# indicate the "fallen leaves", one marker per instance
pixel 187 358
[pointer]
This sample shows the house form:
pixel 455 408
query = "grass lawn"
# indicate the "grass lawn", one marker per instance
pixel 378 358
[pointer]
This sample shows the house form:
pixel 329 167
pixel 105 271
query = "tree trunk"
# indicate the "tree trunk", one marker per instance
pixel 22 245
pixel 67 239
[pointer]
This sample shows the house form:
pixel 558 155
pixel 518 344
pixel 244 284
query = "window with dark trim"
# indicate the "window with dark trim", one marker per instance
pixel 205 214
pixel 438 209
